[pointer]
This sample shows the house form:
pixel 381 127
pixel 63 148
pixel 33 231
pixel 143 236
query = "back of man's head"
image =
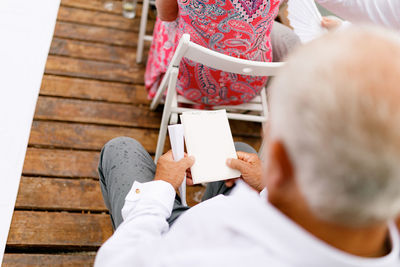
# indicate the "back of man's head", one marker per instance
pixel 336 108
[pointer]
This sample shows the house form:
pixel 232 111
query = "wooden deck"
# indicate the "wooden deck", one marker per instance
pixel 92 91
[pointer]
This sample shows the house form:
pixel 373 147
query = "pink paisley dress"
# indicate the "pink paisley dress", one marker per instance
pixel 239 28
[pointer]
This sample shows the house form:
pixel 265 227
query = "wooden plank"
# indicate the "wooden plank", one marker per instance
pixel 94 5
pixel 84 259
pixel 73 195
pixel 245 128
pixel 254 142
pixel 59 194
pixel 93 137
pixel 73 110
pixel 62 229
pixel 93 51
pixel 61 163
pixel 93 90
pixel 98 5
pixel 97 18
pixel 88 137
pixel 95 34
pixel 91 69
pixel 194 194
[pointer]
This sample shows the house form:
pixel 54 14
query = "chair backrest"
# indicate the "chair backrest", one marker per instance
pixel 216 60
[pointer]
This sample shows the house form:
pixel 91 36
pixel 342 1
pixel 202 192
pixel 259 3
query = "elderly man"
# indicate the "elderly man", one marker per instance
pixel 332 171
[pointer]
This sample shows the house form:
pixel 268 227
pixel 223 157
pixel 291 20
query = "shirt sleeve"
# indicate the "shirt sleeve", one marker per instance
pixel 385 13
pixel 145 212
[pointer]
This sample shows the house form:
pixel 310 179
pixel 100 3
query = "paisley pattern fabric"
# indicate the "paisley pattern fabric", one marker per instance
pixel 239 28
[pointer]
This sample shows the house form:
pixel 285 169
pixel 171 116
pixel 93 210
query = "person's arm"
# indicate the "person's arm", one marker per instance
pixel 147 207
pixel 167 10
pixel 385 13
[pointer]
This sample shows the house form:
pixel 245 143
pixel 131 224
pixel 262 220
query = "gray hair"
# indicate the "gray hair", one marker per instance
pixel 336 108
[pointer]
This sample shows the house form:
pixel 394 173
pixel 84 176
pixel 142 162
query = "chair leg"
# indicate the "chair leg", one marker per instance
pixel 174 116
pixel 160 91
pixel 142 31
pixel 162 135
pixel 265 128
pixel 261 150
pixel 265 114
pixel 166 113
pixel 264 102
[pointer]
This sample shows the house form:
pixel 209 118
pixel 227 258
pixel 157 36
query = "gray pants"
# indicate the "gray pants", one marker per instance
pixel 283 41
pixel 124 160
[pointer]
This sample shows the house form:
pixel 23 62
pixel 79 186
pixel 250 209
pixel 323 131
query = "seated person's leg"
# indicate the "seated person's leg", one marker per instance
pixel 283 41
pixel 215 188
pixel 123 161
pixel 177 210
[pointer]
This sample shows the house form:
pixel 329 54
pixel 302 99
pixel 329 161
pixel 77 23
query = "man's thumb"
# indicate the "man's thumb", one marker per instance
pixel 236 164
pixel 187 162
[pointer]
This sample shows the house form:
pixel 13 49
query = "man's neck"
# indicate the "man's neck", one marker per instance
pixel 370 241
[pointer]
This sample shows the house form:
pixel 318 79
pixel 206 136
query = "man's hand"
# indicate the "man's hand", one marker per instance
pixel 249 165
pixel 331 23
pixel 189 179
pixel 172 171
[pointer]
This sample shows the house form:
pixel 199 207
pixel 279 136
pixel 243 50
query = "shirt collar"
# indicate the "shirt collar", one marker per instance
pixel 275 231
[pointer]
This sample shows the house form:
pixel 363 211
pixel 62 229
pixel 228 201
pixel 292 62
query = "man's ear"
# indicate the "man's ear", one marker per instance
pixel 280 167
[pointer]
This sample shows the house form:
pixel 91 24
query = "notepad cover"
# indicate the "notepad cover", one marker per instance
pixel 209 139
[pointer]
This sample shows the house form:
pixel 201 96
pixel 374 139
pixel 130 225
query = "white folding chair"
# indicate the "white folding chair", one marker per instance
pixel 142 31
pixel 215 60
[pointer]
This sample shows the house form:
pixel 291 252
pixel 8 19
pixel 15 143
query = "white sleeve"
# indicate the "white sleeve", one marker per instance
pixel 382 12
pixel 145 212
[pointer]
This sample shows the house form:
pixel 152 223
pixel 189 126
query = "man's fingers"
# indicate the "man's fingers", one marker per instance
pixel 330 23
pixel 189 181
pixel 168 155
pixel 230 182
pixel 243 155
pixel 236 164
pixel 187 162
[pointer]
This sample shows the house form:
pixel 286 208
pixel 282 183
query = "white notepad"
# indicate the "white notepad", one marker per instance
pixel 209 139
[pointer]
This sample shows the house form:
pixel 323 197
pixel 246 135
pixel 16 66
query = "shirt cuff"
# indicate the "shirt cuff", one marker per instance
pixel 160 193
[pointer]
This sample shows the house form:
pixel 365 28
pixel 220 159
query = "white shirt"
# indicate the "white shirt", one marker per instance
pixel 238 230
pixel 382 12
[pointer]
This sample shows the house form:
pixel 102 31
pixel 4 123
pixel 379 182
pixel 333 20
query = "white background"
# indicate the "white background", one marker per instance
pixel 26 30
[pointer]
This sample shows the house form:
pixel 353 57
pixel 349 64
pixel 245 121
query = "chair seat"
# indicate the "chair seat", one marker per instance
pixel 255 110
pixel 254 105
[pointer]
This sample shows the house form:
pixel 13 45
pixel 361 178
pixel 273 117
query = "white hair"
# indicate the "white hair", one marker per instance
pixel 336 108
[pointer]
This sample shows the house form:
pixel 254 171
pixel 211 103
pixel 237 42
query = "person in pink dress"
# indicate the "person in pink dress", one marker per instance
pixel 238 28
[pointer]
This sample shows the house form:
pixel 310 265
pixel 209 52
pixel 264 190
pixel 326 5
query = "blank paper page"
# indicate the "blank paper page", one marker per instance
pixel 209 139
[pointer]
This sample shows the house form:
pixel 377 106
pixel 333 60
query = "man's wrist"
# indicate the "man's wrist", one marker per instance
pixel 166 180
